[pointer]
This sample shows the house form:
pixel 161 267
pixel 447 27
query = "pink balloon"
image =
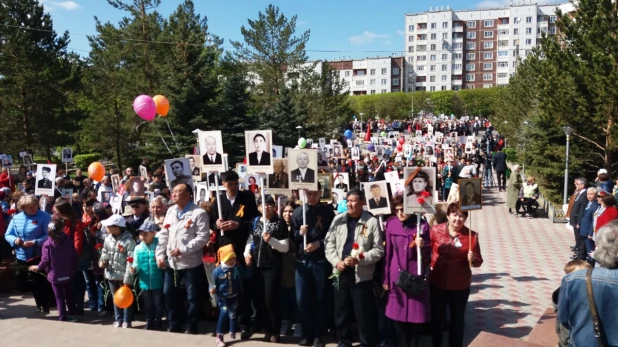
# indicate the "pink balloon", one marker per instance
pixel 402 140
pixel 400 148
pixel 145 107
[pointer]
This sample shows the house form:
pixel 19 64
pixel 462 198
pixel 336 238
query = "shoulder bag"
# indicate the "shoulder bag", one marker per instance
pixel 409 282
pixel 593 310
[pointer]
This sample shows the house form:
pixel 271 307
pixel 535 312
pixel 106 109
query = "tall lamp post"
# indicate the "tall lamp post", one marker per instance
pixel 568 131
pixel 299 128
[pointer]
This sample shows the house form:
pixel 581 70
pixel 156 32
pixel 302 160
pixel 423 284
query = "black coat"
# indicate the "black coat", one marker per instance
pixel 263 255
pixel 499 161
pixel 319 218
pixel 577 211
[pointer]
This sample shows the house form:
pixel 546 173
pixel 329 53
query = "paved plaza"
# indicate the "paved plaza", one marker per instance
pixel 523 265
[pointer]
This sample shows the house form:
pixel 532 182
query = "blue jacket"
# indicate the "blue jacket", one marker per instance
pixel 227 281
pixel 585 226
pixel 608 185
pixel 574 310
pixel 145 264
pixel 28 228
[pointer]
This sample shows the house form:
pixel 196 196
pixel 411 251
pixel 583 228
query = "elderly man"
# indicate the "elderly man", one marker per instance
pixel 278 179
pixel 303 173
pixel 354 288
pixel 139 213
pixel 180 253
pixel 158 209
pixel 211 157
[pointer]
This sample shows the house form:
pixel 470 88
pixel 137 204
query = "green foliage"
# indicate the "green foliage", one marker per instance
pixel 82 161
pixel 511 155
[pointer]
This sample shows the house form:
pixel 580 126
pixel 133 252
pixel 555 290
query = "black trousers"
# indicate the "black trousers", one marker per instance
pixel 37 283
pixel 530 206
pixel 266 286
pixel 409 333
pixel 358 298
pixel 456 300
pixel 581 245
pixel 501 175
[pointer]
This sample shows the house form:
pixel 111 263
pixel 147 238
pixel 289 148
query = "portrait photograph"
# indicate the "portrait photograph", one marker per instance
pixel 303 169
pixel 376 194
pixel 195 166
pixel 45 179
pixel 116 203
pixel 143 171
pixel 67 194
pixel 337 151
pixel 322 159
pixel 278 182
pixel 325 186
pixel 67 155
pixel 397 187
pixel 211 181
pixel 429 151
pixel 241 170
pixel 104 195
pixel 202 193
pixel 439 137
pixel 253 183
pixel 309 143
pixel 277 151
pixel 27 160
pixel 337 195
pixel 355 153
pixel 391 176
pixel 7 161
pixel 322 142
pixel 178 171
pixel 341 180
pixel 468 149
pixel 115 182
pixel 418 133
pixel 470 194
pixel 407 150
pixel 258 148
pixel 135 186
pixel 419 187
pixel 211 150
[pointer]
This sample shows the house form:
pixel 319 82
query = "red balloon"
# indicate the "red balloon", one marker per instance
pixel 400 148
pixel 402 140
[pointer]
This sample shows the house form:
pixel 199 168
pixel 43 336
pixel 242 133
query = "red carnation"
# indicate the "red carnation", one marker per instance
pixel 355 245
pixel 11 211
pixel 420 200
pixel 34 222
pixel 361 256
pixel 130 260
pixel 166 226
pixel 120 248
pixel 425 194
pixel 98 246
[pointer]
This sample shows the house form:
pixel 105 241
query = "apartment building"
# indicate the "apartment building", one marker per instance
pixel 453 50
pixel 371 75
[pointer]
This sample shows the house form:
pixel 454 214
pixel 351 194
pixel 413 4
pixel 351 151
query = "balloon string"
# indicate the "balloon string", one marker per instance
pixel 168 149
pixel 173 137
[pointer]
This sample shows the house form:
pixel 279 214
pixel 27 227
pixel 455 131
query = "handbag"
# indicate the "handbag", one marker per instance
pixel 407 281
pixel 593 309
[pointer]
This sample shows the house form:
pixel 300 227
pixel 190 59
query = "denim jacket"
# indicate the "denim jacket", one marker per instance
pixel 574 310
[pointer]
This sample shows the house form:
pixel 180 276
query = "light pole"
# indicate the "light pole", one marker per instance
pixel 567 131
pixel 299 128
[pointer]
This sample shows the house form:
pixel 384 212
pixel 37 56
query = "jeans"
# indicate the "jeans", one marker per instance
pixel 79 290
pixel 456 301
pixel 96 292
pixel 228 308
pixel 445 193
pixel 311 279
pixel 64 299
pixel 487 177
pixel 120 315
pixel 589 248
pixel 153 303
pixel 288 304
pixel 357 298
pixel 170 292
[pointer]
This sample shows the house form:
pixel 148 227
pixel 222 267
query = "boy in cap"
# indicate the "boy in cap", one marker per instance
pixel 227 289
pixel 149 275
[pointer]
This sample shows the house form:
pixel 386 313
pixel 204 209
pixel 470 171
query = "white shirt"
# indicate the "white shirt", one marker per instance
pixel 232 199
pixel 302 172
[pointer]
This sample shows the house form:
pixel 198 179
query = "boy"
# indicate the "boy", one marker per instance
pixel 150 276
pixel 561 330
pixel 227 288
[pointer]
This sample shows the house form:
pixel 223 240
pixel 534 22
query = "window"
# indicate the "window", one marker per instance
pixel 383 82
pixel 516 19
pixel 503 43
pixel 471 45
pixel 488 44
pixel 503 53
pixel 469 77
pixel 360 73
pixel 432 57
pixel 444 36
pixel 528 42
pixel 444 67
pixel 433 25
pixel 420 68
pixel 514 63
pixel 488 55
pixel 487 76
pixel 470 86
pixel 443 88
pixel 457 45
pixel 443 79
pixel 373 92
pixel 528 31
pixel 432 78
pixel 470 56
pixel 432 68
pixel 528 19
pixel 410 39
pixel 384 91
pixel 422 37
pixel 372 82
pixel 372 72
pixel 360 83
pixel 347 74
pixel 503 32
pixel 471 35
pixel 488 34
pixel 552 30
pixel 445 25
pixel 456 66
pixel 516 31
pixel 396 83
pixel 346 83
pixel 552 19
pixel 488 23
pixel 395 71
pixel 432 47
pixel 503 75
pixel 383 71
pixel 487 85
pixel 503 64
pixel 422 26
pixel 421 58
pixel 470 67
pixel 410 48
pixel 433 36
pixel 504 21
pixel 444 45
pixel 421 48
pixel 410 59
pixel 444 56
pixel 471 24
pixel 432 89
pixel 488 66
pixel 410 27
pixel 515 53
pixel 515 42
pixel 541 18
pixel 457 55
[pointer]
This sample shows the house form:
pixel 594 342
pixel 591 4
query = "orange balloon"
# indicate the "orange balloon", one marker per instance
pixel 96 171
pixel 123 297
pixel 163 105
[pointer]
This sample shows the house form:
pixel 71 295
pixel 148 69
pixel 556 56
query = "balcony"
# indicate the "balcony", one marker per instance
pixel 458 29
pixel 457 82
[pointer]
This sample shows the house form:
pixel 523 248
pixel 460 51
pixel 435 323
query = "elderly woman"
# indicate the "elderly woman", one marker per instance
pixel 586 225
pixel 408 310
pixel 512 190
pixel 574 310
pixel 451 274
pixel 528 194
pixel 26 233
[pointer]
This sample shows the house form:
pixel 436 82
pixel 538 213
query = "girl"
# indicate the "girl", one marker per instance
pixel 59 260
pixel 288 270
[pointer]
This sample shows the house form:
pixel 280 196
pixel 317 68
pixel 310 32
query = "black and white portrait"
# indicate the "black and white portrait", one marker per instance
pixel 116 203
pixel 258 148
pixel 277 151
pixel 115 182
pixel 241 170
pixel 27 160
pixel 67 194
pixel 202 193
pixel 195 166
pixel 420 187
pixel 143 171
pixel 7 161
pixel 211 150
pixel 309 143
pixel 213 178
pixel 321 142
pixel 341 180
pixel 136 186
pixel 325 186
pixel 278 182
pixel 407 150
pixel 337 151
pixel 322 159
pixel 45 180
pixel 376 194
pixel 397 188
pixel 470 194
pixel 303 168
pixel 104 195
pixel 178 171
pixel 429 151
pixel 355 153
pixel 67 155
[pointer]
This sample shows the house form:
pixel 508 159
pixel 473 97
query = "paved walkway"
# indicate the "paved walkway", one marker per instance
pixel 523 265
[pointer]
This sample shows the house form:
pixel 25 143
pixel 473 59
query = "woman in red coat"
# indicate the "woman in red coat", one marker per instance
pixel 608 211
pixel 6 181
pixel 451 274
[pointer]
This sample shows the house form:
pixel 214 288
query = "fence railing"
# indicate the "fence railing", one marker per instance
pixel 554 211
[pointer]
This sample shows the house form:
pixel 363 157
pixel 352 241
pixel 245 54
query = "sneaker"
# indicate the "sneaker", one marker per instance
pixel 126 325
pixel 117 324
pixel 233 335
pixel 72 319
pixel 220 342
pixel 102 313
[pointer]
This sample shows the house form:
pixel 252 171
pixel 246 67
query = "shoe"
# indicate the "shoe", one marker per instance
pixel 220 342
pixel 191 331
pixel 267 337
pixel 573 248
pixel 274 339
pixel 102 313
pixel 117 324
pixel 45 310
pixel 126 325
pixel 574 256
pixel 171 329
pixel 72 319
pixel 233 335
pixel 246 334
pixel 39 309
pixel 305 342
pixel 318 343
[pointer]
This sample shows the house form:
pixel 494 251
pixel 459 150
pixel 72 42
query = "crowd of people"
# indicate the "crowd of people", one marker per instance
pixel 309 269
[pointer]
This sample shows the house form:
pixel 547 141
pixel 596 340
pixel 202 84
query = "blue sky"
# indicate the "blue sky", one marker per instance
pixel 358 28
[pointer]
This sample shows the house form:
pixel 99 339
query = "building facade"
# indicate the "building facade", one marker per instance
pixel 371 75
pixel 453 50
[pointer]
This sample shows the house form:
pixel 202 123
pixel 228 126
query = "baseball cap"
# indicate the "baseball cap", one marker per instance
pixel 226 252
pixel 114 220
pixel 602 171
pixel 148 226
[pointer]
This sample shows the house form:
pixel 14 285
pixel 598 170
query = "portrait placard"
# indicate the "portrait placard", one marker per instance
pixel 470 194
pixel 303 169
pixel 67 194
pixel 341 181
pixel 202 193
pixel 322 142
pixel 241 170
pixel 211 181
pixel 277 151
pixel 116 203
pixel 258 148
pixel 195 166
pixel 45 179
pixel 376 194
pixel 397 188
pixel 391 176
pixel 27 158
pixel 279 182
pixel 419 187
pixel 104 194
pixel 115 182
pixel 135 186
pixel 322 159
pixel 211 150
pixel 253 183
pixel 337 151
pixel 143 171
pixel 7 161
pixel 337 195
pixel 178 171
pixel 67 155
pixel 355 153
pixel 325 181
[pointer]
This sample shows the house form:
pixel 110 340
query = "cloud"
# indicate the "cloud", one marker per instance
pixel 302 23
pixel 366 37
pixel 67 5
pixel 506 3
pixel 400 32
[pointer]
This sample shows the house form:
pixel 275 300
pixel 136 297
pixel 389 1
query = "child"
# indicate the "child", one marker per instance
pixel 59 260
pixel 227 288
pixel 115 259
pixel 150 276
pixel 561 330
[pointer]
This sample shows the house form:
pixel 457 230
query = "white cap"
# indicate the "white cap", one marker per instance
pixel 115 220
pixel 602 171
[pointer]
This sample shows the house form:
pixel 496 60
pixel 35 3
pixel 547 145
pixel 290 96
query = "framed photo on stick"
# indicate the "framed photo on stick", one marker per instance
pixel 279 181
pixel 303 169
pixel 419 188
pixel 258 145
pixel 211 150
pixel 195 166
pixel 326 186
pixel 377 197
pixel 45 184
pixel 178 171
pixel 470 194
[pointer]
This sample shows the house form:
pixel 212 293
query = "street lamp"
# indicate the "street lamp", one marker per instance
pixel 567 131
pixel 299 128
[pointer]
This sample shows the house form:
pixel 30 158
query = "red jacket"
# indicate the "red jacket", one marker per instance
pixel 449 264
pixel 607 216
pixel 78 235
pixel 6 181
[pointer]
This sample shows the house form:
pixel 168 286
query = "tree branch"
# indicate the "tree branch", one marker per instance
pixel 591 141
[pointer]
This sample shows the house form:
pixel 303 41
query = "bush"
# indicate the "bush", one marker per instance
pixel 83 160
pixel 511 155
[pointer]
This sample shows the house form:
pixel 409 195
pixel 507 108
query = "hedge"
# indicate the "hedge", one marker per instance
pixel 83 160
